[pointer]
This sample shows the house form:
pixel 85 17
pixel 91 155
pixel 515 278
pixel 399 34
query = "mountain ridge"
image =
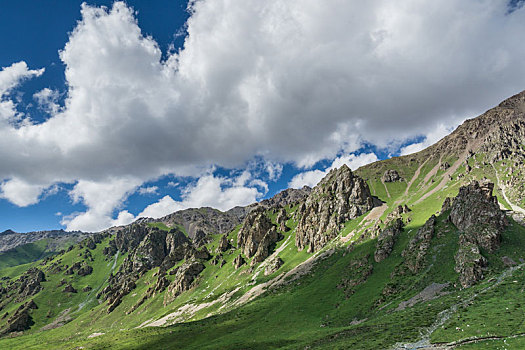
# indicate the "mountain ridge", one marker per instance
pixel 386 256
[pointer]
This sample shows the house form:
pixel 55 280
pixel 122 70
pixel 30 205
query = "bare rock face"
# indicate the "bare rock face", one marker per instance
pixel 224 244
pixel 273 265
pixel 157 248
pixel 447 204
pixel 21 320
pixel 339 197
pixel 476 214
pixel 69 289
pixel 397 212
pixel 391 175
pixel 469 262
pixel 30 283
pixel 475 211
pixel 417 248
pixel 238 262
pixel 289 196
pixel 202 222
pixel 151 251
pixel 386 240
pixel 184 279
pixel 257 235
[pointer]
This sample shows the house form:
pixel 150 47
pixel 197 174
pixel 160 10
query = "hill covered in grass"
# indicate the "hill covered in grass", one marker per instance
pixel 420 251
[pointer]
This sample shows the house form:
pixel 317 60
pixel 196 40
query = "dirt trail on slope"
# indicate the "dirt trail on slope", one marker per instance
pixel 414 178
pixel 513 206
pixel 386 188
pixel 432 172
pixel 446 176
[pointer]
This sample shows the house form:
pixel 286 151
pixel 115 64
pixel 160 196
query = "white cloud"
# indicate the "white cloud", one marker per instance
pixel 20 193
pixel 148 190
pixel 11 77
pixel 312 177
pixel 294 81
pixel 47 100
pixel 101 198
pixel 209 191
pixel 432 137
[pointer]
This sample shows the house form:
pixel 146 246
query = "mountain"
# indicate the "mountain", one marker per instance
pixel 424 251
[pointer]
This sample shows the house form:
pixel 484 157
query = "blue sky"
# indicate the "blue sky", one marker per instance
pixel 111 111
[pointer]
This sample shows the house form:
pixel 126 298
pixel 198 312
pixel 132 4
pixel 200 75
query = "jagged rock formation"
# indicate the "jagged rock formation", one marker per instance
pixel 224 244
pixel 397 212
pixel 391 175
pixel 238 262
pixel 202 222
pixel 340 196
pixel 469 262
pixel 257 235
pixel 149 247
pixel 273 265
pixel 475 211
pixel 69 289
pixel 21 320
pixel 30 283
pixel 186 275
pixel 417 248
pixel 386 240
pixel 290 196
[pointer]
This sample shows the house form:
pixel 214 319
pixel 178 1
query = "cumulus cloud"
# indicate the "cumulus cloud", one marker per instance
pixel 210 191
pixel 20 193
pixel 291 81
pixel 148 190
pixel 101 198
pixel 47 100
pixel 10 78
pixel 312 177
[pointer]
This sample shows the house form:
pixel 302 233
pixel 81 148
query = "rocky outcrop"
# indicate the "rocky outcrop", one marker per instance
pixel 157 248
pixel 417 248
pixel 340 196
pixel 391 175
pixel 386 240
pixel 69 289
pixel 30 283
pixel 397 212
pixel 447 204
pixel 273 265
pixel 257 235
pixel 21 320
pixel 290 196
pixel 202 222
pixel 224 244
pixel 476 214
pixel 469 262
pixel 238 262
pixel 184 279
pixel 281 219
pixel 475 211
pixel 85 270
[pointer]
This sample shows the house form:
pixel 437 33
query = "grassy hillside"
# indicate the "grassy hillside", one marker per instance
pixel 336 297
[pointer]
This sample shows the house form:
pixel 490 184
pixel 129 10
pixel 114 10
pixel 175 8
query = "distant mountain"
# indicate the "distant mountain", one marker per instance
pixel 10 239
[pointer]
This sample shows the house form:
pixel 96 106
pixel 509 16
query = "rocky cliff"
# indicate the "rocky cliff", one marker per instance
pixel 340 196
